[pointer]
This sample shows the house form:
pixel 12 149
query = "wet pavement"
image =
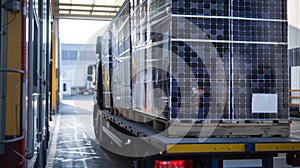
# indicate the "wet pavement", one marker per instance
pixel 74 147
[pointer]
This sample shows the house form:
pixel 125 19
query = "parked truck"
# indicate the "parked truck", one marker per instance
pixel 192 83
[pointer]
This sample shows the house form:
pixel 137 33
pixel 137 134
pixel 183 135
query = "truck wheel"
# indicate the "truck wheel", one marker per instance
pixel 289 158
pixel 135 159
pixel 202 162
pixel 135 162
pixel 140 162
pixel 148 162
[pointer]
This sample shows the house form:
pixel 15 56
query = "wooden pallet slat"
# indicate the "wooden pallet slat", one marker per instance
pixel 209 128
pixel 295 105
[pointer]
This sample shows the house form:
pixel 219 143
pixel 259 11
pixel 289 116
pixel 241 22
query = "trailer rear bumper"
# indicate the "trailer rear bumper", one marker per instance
pixel 214 149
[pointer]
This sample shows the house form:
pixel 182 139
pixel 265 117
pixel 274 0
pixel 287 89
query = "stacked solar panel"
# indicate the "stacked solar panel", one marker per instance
pixel 236 51
pixel 202 59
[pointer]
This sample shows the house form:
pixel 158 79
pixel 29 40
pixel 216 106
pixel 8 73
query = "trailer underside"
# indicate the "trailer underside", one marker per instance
pixel 125 135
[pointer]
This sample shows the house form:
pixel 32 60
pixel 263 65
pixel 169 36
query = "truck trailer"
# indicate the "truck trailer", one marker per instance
pixel 192 83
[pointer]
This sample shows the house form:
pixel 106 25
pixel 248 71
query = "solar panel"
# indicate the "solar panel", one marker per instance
pixel 207 59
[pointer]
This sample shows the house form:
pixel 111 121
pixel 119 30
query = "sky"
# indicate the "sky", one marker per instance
pixel 80 31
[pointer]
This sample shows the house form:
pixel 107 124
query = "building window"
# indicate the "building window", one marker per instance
pixel 294 56
pixel 73 55
pixel 64 55
pixel 87 55
pixel 69 55
pixel 64 87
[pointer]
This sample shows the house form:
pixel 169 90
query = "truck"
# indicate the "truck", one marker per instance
pixel 28 87
pixel 194 83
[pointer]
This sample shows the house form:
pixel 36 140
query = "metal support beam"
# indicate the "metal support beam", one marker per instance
pixel 41 71
pixel 30 112
pixel 85 17
pixel 89 5
pixel 3 56
pixel 48 77
pixel 93 11
pixel 58 75
pixel 90 11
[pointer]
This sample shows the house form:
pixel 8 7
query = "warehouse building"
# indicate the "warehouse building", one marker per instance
pixel 74 61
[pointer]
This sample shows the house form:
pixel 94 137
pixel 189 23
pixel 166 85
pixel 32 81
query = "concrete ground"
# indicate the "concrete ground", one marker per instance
pixel 72 143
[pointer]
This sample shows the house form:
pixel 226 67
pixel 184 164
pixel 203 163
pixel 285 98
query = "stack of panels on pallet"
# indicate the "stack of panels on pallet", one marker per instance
pixel 151 54
pixel 204 59
pixel 121 68
pixel 237 54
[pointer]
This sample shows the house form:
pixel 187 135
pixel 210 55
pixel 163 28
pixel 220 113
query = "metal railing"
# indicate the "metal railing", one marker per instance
pixel 21 137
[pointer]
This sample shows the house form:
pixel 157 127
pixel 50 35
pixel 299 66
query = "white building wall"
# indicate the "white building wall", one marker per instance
pixel 294 45
pixel 294 23
pixel 80 73
pixel 73 72
pixel 67 73
pixel 295 83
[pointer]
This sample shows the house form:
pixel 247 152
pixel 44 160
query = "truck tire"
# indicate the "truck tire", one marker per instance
pixel 289 158
pixel 149 161
pixel 135 162
pixel 136 159
pixel 144 162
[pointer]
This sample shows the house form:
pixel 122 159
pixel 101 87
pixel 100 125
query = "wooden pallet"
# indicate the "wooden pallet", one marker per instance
pixel 239 129
pixel 209 128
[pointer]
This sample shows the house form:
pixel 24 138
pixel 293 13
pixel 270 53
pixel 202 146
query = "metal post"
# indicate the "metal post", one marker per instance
pixel 41 68
pixel 40 88
pixel 58 72
pixel 3 55
pixel 48 77
pixel 30 113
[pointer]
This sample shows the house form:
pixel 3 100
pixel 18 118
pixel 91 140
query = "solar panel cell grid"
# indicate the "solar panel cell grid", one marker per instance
pixel 206 59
